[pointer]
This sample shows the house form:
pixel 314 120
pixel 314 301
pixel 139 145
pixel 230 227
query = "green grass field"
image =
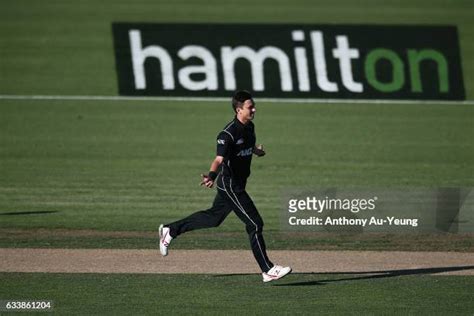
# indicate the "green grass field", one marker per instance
pixel 95 174
pixel 127 167
pixel 96 294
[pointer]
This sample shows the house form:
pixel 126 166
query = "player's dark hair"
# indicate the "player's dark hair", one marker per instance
pixel 239 98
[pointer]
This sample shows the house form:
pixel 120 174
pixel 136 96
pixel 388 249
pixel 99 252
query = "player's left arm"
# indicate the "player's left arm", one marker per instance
pixel 258 150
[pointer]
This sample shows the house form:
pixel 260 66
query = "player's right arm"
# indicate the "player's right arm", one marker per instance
pixel 208 179
pixel 224 141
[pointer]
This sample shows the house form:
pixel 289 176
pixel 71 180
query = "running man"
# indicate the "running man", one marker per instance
pixel 229 172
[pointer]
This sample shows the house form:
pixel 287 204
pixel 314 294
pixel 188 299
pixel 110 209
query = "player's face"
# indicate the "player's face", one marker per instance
pixel 247 111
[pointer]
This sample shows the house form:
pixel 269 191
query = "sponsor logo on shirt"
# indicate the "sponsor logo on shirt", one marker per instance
pixel 245 152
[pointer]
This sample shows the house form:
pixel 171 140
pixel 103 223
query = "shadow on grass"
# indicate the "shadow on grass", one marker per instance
pixel 27 213
pixel 377 275
pixel 363 275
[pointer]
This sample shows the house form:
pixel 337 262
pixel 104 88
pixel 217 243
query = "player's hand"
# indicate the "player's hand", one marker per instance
pixel 259 151
pixel 206 181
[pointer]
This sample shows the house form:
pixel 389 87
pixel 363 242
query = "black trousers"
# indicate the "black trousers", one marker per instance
pixel 229 198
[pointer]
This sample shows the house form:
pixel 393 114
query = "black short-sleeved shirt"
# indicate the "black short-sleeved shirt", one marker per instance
pixel 235 143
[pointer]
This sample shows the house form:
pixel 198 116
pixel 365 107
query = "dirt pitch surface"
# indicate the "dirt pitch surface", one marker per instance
pixel 231 261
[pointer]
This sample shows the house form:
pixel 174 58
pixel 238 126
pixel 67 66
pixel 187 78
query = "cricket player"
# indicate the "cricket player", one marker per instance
pixel 229 172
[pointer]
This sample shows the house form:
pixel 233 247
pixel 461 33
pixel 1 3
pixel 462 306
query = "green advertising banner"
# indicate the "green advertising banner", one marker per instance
pixel 289 61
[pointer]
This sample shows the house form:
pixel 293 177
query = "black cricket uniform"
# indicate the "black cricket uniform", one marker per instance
pixel 235 143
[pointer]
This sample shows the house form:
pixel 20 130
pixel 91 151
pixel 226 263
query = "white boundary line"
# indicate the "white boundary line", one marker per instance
pixel 219 99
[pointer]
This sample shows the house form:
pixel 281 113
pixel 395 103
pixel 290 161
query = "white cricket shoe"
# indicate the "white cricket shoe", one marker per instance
pixel 275 273
pixel 165 239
